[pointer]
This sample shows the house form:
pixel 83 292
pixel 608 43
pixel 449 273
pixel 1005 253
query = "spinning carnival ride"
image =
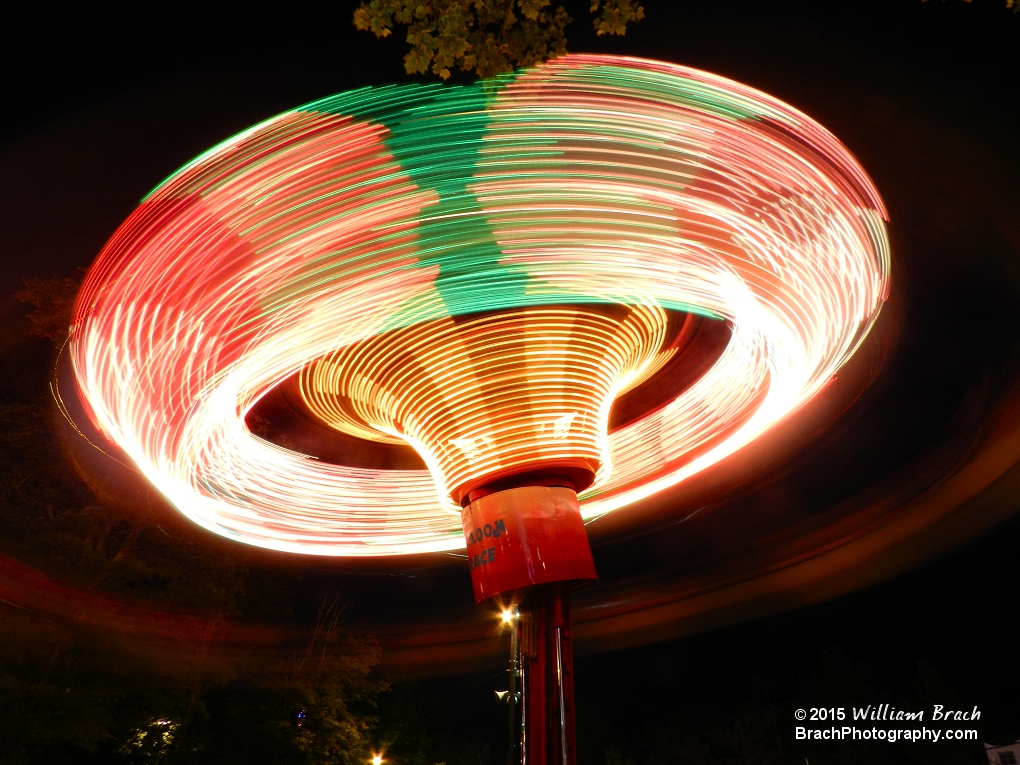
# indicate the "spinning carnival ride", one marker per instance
pixel 478 273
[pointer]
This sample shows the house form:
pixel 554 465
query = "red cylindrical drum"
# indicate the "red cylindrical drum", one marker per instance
pixel 525 536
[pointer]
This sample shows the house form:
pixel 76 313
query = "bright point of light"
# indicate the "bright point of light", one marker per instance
pixel 508 615
pixel 377 759
pixel 590 179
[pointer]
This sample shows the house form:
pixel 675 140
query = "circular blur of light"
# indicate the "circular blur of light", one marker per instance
pixel 589 180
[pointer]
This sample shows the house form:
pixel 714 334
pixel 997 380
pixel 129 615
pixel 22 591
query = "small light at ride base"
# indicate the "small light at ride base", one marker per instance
pixel 480 272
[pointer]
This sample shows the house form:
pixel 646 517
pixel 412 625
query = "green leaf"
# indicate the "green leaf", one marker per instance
pixel 486 37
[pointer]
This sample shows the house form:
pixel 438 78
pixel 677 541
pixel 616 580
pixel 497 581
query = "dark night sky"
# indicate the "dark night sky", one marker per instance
pixel 99 106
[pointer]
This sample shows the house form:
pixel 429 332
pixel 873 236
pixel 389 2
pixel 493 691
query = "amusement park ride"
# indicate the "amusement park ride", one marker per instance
pixel 478 273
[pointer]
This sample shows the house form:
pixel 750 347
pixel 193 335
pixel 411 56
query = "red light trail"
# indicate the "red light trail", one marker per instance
pixel 386 216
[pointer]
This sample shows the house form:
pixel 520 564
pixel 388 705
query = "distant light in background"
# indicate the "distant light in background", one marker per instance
pixel 590 180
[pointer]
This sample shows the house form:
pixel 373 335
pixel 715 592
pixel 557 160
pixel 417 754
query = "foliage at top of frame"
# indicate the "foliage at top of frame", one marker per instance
pixel 485 37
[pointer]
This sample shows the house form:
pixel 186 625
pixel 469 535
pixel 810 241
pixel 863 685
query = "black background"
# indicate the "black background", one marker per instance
pixel 99 105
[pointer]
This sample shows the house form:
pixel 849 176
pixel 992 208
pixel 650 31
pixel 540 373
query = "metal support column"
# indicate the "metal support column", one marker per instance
pixel 515 727
pixel 548 660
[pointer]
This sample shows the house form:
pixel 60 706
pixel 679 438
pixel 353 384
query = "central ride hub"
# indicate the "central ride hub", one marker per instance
pixel 490 401
pixel 523 536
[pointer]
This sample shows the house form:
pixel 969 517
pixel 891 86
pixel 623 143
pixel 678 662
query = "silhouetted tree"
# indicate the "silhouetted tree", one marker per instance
pixel 71 692
pixel 485 37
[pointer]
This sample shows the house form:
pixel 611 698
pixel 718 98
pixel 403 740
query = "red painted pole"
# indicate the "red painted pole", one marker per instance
pixel 548 686
pixel 534 655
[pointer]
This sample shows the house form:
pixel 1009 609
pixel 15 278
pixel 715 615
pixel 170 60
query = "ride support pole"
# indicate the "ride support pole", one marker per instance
pixel 549 678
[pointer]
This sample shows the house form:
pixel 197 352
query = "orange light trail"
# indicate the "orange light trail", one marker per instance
pixel 396 212
pixel 494 395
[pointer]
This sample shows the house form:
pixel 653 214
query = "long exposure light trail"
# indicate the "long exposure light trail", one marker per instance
pixel 493 396
pixel 589 180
